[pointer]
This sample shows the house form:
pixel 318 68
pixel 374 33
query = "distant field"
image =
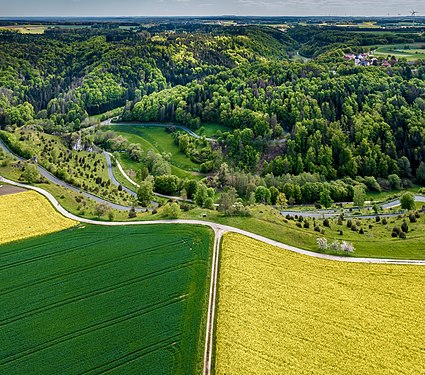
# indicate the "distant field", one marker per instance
pixel 40 29
pixel 409 51
pixel 284 313
pixel 122 300
pixel 28 214
pixel 26 29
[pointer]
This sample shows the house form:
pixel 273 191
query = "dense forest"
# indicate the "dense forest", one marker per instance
pixel 292 123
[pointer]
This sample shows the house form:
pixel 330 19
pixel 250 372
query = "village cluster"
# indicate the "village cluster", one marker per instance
pixel 367 59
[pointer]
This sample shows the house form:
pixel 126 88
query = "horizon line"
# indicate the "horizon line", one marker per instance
pixel 209 16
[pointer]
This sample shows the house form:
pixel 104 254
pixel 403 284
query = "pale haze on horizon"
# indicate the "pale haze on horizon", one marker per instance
pixel 105 8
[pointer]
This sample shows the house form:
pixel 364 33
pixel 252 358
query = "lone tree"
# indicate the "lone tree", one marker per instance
pixel 31 173
pixel 407 201
pixel 420 173
pixel 101 209
pixel 227 200
pixel 281 201
pixel 262 195
pixel 145 193
pixel 172 211
pixel 325 198
pixel 359 196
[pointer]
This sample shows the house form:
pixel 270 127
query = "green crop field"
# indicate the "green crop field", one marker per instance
pixel 127 300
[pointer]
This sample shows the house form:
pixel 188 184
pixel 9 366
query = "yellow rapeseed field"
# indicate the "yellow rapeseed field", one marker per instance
pixel 28 214
pixel 284 313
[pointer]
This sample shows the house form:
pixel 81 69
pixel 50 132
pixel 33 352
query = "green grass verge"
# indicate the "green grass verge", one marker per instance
pixel 376 242
pixel 98 299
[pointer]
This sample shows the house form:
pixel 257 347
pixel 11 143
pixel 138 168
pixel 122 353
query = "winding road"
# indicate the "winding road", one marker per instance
pixel 50 177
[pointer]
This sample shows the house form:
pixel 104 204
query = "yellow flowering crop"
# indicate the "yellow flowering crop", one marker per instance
pixel 28 214
pixel 284 313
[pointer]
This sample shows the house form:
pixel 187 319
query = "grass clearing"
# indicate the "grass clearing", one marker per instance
pixel 28 214
pixel 210 130
pixel 156 140
pixel 96 299
pixel 284 313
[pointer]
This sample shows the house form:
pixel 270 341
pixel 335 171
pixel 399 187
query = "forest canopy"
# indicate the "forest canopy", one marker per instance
pixel 322 116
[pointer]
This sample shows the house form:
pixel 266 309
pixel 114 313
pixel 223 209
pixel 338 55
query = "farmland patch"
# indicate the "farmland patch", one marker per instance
pixel 284 313
pixel 127 300
pixel 28 214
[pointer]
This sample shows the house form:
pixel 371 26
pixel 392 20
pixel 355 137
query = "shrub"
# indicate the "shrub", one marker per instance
pixel 335 245
pixel 394 234
pixel 407 201
pixel 299 225
pixel 361 231
pixel 349 223
pixel 317 229
pixel 132 213
pixel 377 219
pixel 185 207
pixel 370 226
pixel 347 247
pixel 322 231
pixel 341 233
pixel 404 227
pixel 326 223
pixel 322 243
pixel 354 228
pixel 402 235
pixel 396 230
pixel 384 221
pixel 412 218
pixel 306 224
pixel 340 220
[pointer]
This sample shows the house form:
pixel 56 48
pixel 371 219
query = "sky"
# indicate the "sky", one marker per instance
pixel 101 8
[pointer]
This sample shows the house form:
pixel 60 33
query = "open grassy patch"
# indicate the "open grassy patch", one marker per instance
pixel 127 300
pixel 28 214
pixel 158 140
pixel 284 313
pixel 210 130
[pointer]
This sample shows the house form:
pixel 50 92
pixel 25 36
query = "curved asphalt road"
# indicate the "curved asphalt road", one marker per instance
pixel 335 213
pixel 50 177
